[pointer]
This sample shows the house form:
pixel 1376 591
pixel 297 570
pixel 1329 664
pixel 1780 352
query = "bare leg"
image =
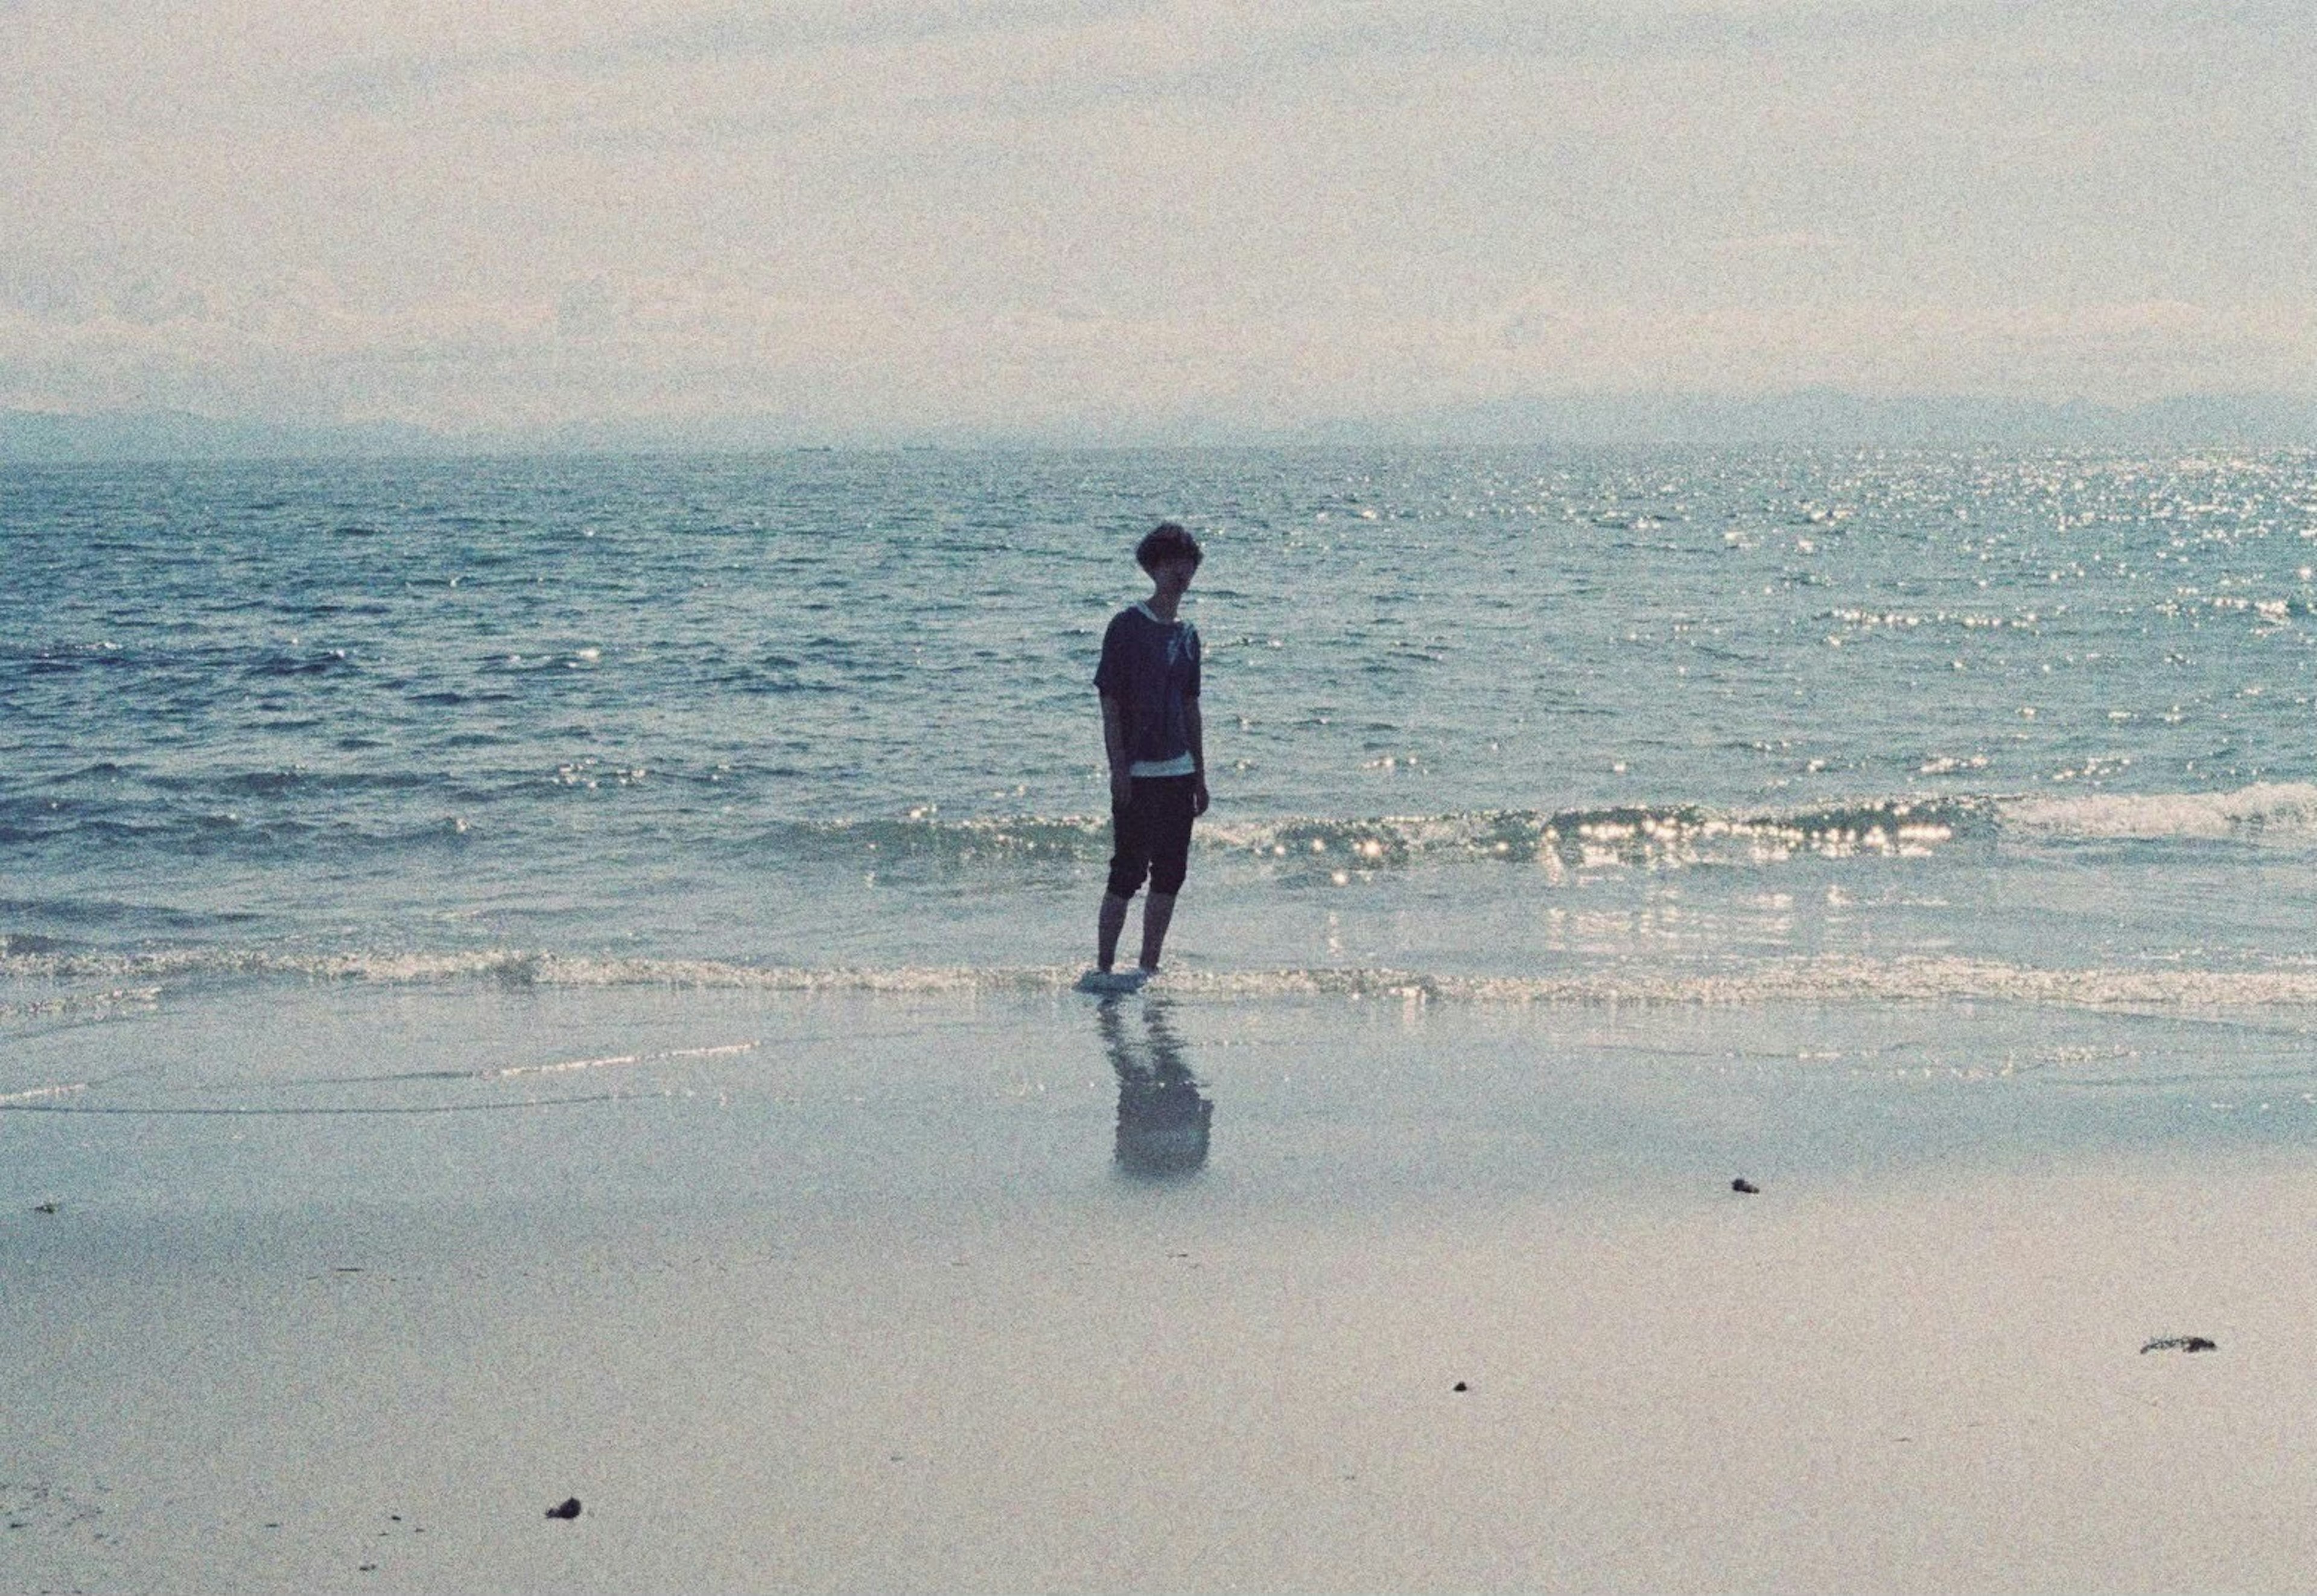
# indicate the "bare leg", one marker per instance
pixel 1158 908
pixel 1112 920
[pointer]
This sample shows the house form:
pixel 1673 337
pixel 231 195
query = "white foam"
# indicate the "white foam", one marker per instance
pixel 513 967
pixel 37 1093
pixel 73 1003
pixel 1824 980
pixel 1830 979
pixel 2277 808
pixel 619 1060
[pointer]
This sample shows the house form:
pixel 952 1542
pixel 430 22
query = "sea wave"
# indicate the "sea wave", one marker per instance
pixel 1633 834
pixel 1649 835
pixel 1825 979
pixel 2264 809
pixel 1618 834
pixel 77 1005
pixel 1654 835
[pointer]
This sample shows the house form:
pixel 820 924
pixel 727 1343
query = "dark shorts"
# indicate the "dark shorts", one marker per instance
pixel 1154 836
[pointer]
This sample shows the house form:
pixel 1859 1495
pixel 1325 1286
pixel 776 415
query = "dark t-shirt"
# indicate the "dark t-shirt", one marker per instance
pixel 1151 668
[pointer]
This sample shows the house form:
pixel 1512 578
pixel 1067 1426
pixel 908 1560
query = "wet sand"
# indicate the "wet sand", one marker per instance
pixel 911 1306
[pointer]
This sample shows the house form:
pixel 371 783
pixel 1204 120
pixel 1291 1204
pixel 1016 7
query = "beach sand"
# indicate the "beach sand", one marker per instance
pixel 875 1302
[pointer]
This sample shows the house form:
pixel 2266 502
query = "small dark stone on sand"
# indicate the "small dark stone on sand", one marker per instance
pixel 568 1508
pixel 1746 1186
pixel 1460 1386
pixel 44 1207
pixel 2182 1343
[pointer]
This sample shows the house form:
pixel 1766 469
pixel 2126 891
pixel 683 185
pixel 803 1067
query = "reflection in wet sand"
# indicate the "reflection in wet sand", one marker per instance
pixel 1163 1118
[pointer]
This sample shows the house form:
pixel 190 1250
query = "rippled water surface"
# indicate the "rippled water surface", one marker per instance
pixel 1899 723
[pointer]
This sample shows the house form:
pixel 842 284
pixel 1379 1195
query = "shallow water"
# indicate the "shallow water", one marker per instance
pixel 897 1108
pixel 1519 716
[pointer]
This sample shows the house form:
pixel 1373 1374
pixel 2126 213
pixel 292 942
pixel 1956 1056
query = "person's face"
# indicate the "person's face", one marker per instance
pixel 1173 575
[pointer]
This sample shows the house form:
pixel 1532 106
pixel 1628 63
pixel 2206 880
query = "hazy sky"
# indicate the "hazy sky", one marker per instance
pixel 1039 213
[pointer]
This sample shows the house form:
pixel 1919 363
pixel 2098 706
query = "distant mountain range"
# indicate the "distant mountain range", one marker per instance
pixel 1828 416
pixel 128 436
pixel 1816 416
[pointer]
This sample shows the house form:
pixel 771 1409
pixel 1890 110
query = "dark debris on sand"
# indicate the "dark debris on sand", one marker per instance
pixel 1746 1186
pixel 568 1508
pixel 2182 1343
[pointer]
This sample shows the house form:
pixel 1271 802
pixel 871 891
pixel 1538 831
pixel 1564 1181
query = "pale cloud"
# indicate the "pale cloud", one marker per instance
pixel 1051 215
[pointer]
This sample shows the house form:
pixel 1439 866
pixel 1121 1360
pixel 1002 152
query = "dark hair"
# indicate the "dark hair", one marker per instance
pixel 1166 542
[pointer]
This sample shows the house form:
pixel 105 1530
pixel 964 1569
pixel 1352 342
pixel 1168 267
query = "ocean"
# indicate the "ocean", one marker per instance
pixel 1873 735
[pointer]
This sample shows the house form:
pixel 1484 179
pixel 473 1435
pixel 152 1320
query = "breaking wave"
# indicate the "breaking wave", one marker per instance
pixel 1629 834
pixel 1653 835
pixel 1648 833
pixel 2274 808
pixel 1828 979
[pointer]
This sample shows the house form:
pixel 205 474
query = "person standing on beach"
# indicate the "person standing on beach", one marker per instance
pixel 1148 681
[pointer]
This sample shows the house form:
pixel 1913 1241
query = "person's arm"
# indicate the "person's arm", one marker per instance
pixel 1191 724
pixel 1113 748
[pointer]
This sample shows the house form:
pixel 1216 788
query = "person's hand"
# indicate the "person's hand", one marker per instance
pixel 1122 787
pixel 1198 795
